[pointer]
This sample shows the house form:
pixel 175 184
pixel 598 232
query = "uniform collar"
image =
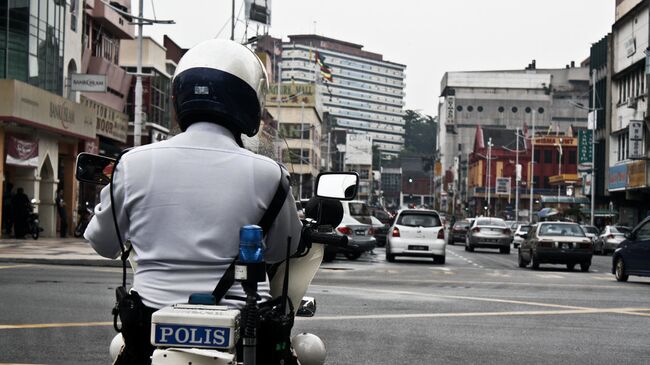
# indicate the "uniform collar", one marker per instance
pixel 210 128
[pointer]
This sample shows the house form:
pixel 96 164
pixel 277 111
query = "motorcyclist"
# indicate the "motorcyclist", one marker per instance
pixel 181 202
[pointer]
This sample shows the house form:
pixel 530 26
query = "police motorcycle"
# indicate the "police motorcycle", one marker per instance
pixel 33 223
pixel 203 332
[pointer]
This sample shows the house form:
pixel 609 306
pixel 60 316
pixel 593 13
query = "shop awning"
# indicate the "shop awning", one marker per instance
pixel 547 199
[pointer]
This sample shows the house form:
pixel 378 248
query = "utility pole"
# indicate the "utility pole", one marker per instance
pixel 593 146
pixel 489 175
pixel 532 168
pixel 559 171
pixel 517 178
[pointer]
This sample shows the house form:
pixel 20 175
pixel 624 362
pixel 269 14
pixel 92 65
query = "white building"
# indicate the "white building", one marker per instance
pixel 366 94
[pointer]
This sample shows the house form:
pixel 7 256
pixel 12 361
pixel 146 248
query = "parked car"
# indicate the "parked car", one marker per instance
pixel 609 239
pixel 417 233
pixel 556 243
pixel 357 225
pixel 458 232
pixel 489 233
pixel 632 257
pixel 520 231
pixel 591 232
pixel 380 230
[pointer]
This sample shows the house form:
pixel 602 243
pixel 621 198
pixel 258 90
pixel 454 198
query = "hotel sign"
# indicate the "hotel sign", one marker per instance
pixel 27 104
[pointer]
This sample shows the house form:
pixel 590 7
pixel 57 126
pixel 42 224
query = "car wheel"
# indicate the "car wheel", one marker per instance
pixel 571 266
pixel 505 250
pixel 329 256
pixel 439 259
pixel 619 270
pixel 352 255
pixel 535 262
pixel 520 260
pixel 584 266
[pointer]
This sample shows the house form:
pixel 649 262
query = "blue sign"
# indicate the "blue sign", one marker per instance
pixel 192 336
pixel 617 178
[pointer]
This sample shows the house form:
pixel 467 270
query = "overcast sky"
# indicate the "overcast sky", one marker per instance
pixel 430 37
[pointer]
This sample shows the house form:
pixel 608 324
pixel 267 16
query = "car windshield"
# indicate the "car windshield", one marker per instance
pixel 419 220
pixel 590 229
pixel 561 229
pixel 491 222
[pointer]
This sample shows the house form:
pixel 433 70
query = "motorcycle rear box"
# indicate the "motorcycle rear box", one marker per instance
pixel 195 325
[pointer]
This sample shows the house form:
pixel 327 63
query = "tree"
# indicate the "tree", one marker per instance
pixel 420 133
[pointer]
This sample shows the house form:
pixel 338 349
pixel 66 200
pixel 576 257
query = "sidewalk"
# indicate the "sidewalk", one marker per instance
pixel 56 251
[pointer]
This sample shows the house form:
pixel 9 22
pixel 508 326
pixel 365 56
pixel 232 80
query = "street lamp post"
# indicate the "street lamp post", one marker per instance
pixel 489 174
pixel 559 171
pixel 532 168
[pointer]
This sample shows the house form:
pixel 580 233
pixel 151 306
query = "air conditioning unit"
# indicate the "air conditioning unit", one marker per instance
pixel 631 102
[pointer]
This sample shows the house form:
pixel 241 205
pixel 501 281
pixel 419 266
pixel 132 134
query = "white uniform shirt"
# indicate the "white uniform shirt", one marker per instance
pixel 181 203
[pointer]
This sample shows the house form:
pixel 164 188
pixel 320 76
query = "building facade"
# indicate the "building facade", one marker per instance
pixel 365 93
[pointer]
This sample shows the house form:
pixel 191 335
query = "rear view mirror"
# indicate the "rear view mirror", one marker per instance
pixel 337 185
pixel 94 169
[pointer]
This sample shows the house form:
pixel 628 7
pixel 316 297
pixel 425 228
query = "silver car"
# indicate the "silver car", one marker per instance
pixel 489 233
pixel 609 239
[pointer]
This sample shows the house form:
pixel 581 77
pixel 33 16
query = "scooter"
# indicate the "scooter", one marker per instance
pixel 199 332
pixel 33 223
pixel 84 218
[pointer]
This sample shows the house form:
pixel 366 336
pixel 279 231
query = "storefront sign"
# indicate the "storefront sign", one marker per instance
pixel 27 104
pixel 637 175
pixel 110 123
pixel 292 93
pixel 554 141
pixel 617 178
pixel 584 147
pixel 88 83
pixel 637 147
pixel 358 149
pixel 451 109
pixel 502 186
pixel 22 152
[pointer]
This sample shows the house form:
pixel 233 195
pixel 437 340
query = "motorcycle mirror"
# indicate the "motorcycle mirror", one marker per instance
pixel 307 307
pixel 337 185
pixel 94 169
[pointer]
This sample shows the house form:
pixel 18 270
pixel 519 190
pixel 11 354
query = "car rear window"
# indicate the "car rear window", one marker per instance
pixel 461 224
pixel 491 222
pixel 419 220
pixel 524 228
pixel 571 230
pixel 359 209
pixel 589 229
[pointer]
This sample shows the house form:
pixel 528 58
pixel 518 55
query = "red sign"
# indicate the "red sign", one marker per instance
pixel 22 152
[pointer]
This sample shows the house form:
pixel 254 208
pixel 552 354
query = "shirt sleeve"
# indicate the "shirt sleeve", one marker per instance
pixel 287 224
pixel 101 229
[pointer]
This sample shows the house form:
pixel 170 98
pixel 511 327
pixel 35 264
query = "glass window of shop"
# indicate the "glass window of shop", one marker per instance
pixel 160 88
pixel 292 130
pixel 31 42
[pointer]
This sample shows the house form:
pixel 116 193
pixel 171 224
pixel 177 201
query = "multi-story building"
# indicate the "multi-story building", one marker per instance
pixel 156 88
pixel 544 98
pixel 627 126
pixel 365 94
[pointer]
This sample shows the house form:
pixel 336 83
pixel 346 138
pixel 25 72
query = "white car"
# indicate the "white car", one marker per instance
pixel 518 238
pixel 416 233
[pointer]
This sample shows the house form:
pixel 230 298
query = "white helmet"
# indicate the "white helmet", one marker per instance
pixel 223 82
pixel 309 348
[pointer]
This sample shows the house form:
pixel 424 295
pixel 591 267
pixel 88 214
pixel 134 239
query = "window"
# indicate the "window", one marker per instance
pixel 514 109
pixel 559 229
pixel 536 157
pixel 501 109
pixel 419 220
pixel 459 108
pixel 292 156
pixel 573 157
pixel 540 110
pixel 292 130
pixel 479 109
pixel 470 108
pixel 548 156
pixel 528 110
pixel 643 233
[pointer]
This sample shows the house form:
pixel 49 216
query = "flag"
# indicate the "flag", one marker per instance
pixel 325 70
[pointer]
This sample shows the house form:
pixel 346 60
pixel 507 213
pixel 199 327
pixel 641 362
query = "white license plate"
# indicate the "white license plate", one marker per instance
pixel 192 336
pixel 419 248
pixel 360 232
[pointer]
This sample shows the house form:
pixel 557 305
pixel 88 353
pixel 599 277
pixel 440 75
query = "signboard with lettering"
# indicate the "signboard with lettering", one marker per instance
pixel 451 109
pixel 617 178
pixel 637 175
pixel 88 83
pixel 584 147
pixel 502 186
pixel 291 93
pixel 553 141
pixel 28 104
pixel 637 147
pixel 358 149
pixel 110 123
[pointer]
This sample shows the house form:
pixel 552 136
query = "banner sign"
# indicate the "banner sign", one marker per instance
pixel 584 147
pixel 258 11
pixel 22 152
pixel 88 83
pixel 502 186
pixel 637 147
pixel 617 178
pixel 358 149
pixel 637 176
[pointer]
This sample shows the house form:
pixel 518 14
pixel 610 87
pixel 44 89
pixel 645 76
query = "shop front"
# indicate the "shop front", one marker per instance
pixel 40 136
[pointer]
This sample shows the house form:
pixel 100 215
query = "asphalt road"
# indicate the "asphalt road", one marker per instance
pixel 478 308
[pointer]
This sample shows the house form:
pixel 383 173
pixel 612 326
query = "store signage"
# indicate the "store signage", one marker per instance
pixel 584 147
pixel 291 94
pixel 630 46
pixel 554 141
pixel 109 122
pixel 358 149
pixel 451 109
pixel 88 83
pixel 502 186
pixel 637 175
pixel 30 105
pixel 617 178
pixel 635 141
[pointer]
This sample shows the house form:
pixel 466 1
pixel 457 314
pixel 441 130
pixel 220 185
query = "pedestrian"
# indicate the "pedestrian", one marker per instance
pixel 185 230
pixel 20 206
pixel 7 214
pixel 63 218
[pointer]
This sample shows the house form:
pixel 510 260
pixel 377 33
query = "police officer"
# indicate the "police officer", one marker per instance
pixel 181 202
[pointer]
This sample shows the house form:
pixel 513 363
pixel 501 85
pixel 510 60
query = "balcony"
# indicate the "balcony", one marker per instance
pixel 112 22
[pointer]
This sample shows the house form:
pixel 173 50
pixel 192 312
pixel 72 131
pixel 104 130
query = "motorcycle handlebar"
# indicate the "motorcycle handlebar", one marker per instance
pixel 328 239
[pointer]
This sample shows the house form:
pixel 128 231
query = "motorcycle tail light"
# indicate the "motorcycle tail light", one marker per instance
pixel 345 230
pixel 441 234
pixel 395 232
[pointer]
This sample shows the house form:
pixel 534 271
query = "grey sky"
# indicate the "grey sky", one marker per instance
pixel 430 37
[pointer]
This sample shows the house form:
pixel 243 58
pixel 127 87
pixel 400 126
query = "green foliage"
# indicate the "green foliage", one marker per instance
pixel 420 133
